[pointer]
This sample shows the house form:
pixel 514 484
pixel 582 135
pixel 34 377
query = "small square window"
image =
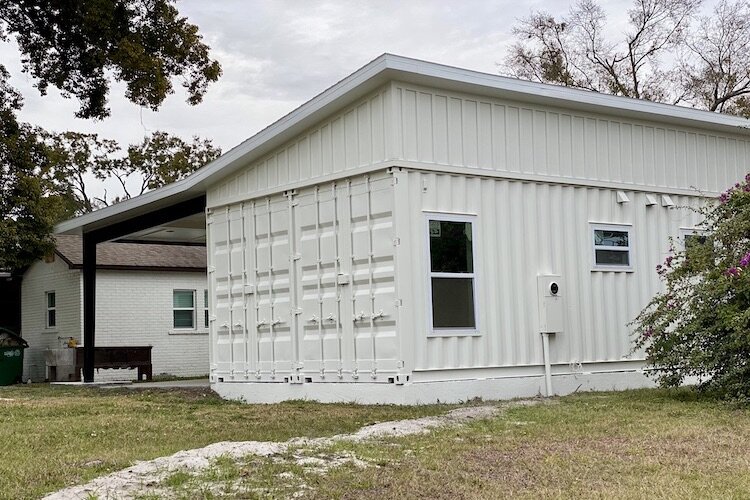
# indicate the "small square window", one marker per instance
pixel 611 247
pixel 691 237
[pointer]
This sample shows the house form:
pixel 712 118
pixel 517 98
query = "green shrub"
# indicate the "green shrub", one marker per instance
pixel 700 324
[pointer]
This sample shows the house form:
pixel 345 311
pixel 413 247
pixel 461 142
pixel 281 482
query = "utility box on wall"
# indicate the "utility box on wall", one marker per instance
pixel 550 291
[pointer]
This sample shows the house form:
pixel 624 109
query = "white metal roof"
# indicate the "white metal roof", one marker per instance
pixel 371 76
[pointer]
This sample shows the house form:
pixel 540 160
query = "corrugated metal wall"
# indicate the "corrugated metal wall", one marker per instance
pixel 305 285
pixel 439 127
pixel 355 137
pixel 526 229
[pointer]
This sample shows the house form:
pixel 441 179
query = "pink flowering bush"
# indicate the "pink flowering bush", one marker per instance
pixel 700 324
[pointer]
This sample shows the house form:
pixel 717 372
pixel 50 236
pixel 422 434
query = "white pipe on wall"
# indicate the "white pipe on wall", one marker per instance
pixel 547 365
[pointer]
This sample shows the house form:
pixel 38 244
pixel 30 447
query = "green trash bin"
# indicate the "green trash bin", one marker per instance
pixel 11 357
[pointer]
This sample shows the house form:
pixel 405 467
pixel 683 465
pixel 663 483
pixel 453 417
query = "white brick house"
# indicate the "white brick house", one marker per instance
pixel 137 287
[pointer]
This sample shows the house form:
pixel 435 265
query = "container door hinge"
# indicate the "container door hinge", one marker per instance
pixel 396 242
pixel 398 302
pixel 249 289
pixel 211 269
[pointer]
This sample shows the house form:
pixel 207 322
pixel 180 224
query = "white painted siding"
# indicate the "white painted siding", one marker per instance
pixel 355 137
pixel 40 278
pixel 526 229
pixel 304 285
pixel 442 128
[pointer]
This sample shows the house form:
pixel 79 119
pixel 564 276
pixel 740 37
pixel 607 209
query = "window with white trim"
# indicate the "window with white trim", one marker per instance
pixel 452 286
pixel 694 236
pixel 612 247
pixel 183 309
pixel 51 313
pixel 205 308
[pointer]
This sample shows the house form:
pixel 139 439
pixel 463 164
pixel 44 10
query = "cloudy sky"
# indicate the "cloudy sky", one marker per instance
pixel 276 54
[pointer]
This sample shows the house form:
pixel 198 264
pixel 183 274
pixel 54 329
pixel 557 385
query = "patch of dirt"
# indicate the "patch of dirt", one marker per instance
pixel 145 477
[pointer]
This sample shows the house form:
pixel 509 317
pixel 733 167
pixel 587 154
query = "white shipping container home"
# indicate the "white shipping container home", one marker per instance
pixel 421 233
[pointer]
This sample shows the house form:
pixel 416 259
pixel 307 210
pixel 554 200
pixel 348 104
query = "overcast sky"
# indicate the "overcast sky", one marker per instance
pixel 278 54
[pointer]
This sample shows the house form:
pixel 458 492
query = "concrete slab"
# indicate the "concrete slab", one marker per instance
pixel 171 384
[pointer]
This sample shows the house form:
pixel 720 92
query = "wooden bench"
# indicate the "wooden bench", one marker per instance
pixel 120 357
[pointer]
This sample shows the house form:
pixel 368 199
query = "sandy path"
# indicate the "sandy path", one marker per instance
pixel 144 477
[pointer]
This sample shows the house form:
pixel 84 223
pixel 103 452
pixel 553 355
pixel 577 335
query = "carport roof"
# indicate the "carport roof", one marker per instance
pixel 385 68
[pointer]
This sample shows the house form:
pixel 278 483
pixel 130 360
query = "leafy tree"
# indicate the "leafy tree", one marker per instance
pixel 700 324
pixel 669 53
pixel 80 47
pixel 161 159
pixel 75 159
pixel 27 215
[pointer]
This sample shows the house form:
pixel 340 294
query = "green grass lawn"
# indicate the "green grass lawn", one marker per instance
pixel 634 444
pixel 51 437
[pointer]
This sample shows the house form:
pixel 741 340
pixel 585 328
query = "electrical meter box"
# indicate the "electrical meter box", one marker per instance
pixel 551 294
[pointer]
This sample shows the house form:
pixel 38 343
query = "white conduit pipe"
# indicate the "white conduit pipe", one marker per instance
pixel 547 365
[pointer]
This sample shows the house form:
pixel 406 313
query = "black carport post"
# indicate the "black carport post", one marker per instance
pixel 89 305
pixel 118 230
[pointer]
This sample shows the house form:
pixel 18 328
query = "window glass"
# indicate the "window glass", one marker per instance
pixel 695 239
pixel 453 303
pixel 611 247
pixel 205 308
pixel 610 238
pixel 452 275
pixel 183 298
pixel 451 247
pixel 183 319
pixel 612 258
pixel 51 310
pixel 183 303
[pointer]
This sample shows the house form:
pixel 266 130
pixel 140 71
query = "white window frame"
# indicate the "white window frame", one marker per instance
pixel 193 309
pixel 691 231
pixel 47 309
pixel 625 228
pixel 432 331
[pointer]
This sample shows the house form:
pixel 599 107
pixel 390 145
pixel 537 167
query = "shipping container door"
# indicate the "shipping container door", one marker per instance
pixel 318 284
pixel 218 224
pixel 272 289
pixel 372 289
